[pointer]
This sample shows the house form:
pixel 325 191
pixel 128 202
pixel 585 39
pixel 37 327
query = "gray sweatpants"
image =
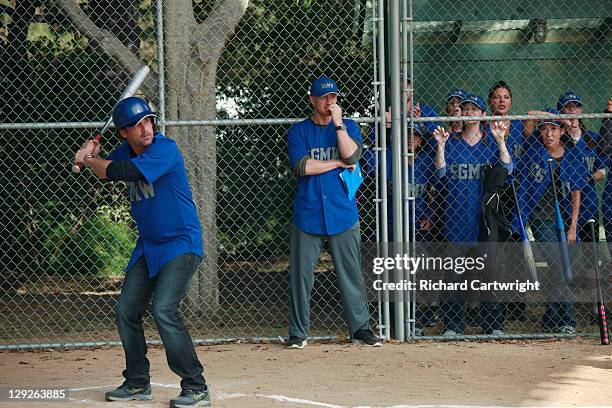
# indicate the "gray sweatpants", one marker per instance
pixel 346 254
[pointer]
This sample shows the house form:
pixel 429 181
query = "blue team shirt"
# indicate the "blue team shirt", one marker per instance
pixel 515 140
pixel 587 154
pixel 462 176
pixel 161 204
pixel 429 112
pixel 423 175
pixel 321 205
pixel 534 180
pixel 423 179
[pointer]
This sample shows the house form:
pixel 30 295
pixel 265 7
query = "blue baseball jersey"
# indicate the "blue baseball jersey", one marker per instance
pixel 429 112
pixel 463 180
pixel 321 205
pixel 515 141
pixel 422 168
pixel 585 151
pixel 161 204
pixel 534 180
pixel 534 138
pixel 423 180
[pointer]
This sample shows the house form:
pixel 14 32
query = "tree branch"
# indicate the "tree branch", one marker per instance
pixel 220 25
pixel 107 42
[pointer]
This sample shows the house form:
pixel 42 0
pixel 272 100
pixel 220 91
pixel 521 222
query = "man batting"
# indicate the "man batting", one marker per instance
pixel 320 148
pixel 167 253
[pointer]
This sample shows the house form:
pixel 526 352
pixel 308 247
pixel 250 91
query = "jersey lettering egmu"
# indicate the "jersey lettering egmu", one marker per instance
pixel 324 153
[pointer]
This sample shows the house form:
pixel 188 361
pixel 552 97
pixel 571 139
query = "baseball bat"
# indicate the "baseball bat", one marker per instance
pixel 565 262
pixel 130 90
pixel 601 306
pixel 527 250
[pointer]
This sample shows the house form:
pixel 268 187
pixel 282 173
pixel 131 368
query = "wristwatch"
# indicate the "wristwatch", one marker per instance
pixel 341 127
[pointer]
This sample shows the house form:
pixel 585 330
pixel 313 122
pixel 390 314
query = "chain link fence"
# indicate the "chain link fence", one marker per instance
pixel 228 79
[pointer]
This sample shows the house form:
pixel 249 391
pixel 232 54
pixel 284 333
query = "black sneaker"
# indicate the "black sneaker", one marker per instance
pixel 294 342
pixel 127 393
pixel 191 398
pixel 365 337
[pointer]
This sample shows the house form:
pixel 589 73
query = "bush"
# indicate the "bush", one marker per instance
pixel 99 247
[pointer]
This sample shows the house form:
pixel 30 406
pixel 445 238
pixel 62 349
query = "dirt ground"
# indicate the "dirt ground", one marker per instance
pixel 575 372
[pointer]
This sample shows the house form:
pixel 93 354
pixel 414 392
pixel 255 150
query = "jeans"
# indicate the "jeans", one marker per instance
pixel 560 309
pixel 168 288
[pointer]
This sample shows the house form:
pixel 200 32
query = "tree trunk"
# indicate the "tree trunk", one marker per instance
pixel 192 55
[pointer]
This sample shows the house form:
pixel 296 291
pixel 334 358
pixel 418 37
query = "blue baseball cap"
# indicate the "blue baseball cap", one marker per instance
pixel 322 86
pixel 476 100
pixel 567 98
pixel 418 128
pixel 551 121
pixel 456 93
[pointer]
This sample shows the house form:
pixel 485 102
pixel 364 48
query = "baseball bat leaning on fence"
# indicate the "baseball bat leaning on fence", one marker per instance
pixel 601 306
pixel 565 261
pixel 527 249
pixel 130 90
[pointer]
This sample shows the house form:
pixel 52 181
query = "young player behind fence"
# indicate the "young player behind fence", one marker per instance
pixel 459 163
pixel 536 199
pixel 583 144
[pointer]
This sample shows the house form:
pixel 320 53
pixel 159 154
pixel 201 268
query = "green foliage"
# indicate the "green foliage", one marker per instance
pixel 97 247
pixel 50 220
pixel 253 207
pixel 280 46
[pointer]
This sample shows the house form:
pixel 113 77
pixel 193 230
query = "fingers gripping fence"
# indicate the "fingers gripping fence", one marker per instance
pixel 228 79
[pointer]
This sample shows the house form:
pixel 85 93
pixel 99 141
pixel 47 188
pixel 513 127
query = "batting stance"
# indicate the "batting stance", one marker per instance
pixel 167 253
pixel 320 148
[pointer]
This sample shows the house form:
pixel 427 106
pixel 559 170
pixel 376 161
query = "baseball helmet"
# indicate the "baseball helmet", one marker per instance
pixel 130 111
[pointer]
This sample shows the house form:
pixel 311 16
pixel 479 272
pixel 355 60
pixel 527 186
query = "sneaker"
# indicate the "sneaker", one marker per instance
pixel 191 398
pixel 449 333
pixel 496 332
pixel 365 337
pixel 418 331
pixel 294 342
pixel 566 330
pixel 127 393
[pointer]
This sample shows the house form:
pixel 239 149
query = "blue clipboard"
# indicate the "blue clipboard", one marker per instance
pixel 351 181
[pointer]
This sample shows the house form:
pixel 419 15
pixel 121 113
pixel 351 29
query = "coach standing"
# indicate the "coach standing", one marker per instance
pixel 320 148
pixel 167 252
